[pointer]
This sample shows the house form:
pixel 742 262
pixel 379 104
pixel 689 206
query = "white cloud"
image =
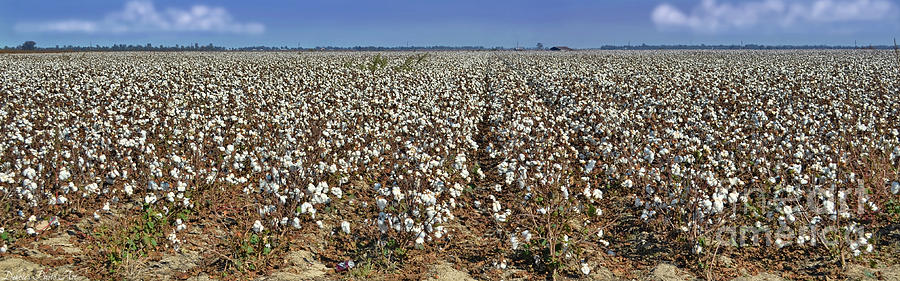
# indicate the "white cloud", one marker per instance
pixel 711 16
pixel 142 16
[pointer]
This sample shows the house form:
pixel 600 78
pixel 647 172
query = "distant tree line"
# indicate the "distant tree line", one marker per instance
pixel 406 48
pixel 735 47
pixel 32 46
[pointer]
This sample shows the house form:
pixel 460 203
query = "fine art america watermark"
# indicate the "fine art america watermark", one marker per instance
pixel 38 275
pixel 822 216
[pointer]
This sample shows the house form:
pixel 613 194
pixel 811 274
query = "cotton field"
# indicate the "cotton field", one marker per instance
pixel 507 164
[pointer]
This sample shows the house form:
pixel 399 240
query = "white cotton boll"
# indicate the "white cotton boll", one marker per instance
pixel 514 242
pixel 895 187
pixel 456 190
pixel 381 203
pixel 627 184
pixel 398 194
pixel 96 216
pixel 815 220
pixel 91 188
pixel 495 206
pixel 150 199
pixel 597 194
pixel 3 249
pixel 589 166
pixel 257 226
pixel 306 207
pixel 170 196
pixel 296 223
pixel 382 224
pixel 647 214
pixel 337 192
pixel 408 224
pixel 585 268
pixel 106 207
pixel 322 187
pixel 345 227
pixel 829 207
pixel 29 173
pixel 718 204
pixel 64 174
pixel 732 197
pixel 320 224
pixel 7 177
pixel 420 242
pixel 129 190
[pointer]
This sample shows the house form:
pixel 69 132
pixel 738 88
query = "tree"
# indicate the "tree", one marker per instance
pixel 28 45
pixel 540 46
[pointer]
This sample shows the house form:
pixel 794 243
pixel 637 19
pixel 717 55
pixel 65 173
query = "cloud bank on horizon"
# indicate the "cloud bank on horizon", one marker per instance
pixel 574 23
pixel 711 16
pixel 140 16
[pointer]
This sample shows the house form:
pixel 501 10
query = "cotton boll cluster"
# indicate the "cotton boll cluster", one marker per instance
pixel 258 227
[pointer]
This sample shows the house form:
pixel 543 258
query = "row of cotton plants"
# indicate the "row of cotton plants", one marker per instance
pixel 800 148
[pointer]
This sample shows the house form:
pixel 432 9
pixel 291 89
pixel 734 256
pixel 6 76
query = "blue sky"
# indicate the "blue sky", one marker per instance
pixel 486 23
